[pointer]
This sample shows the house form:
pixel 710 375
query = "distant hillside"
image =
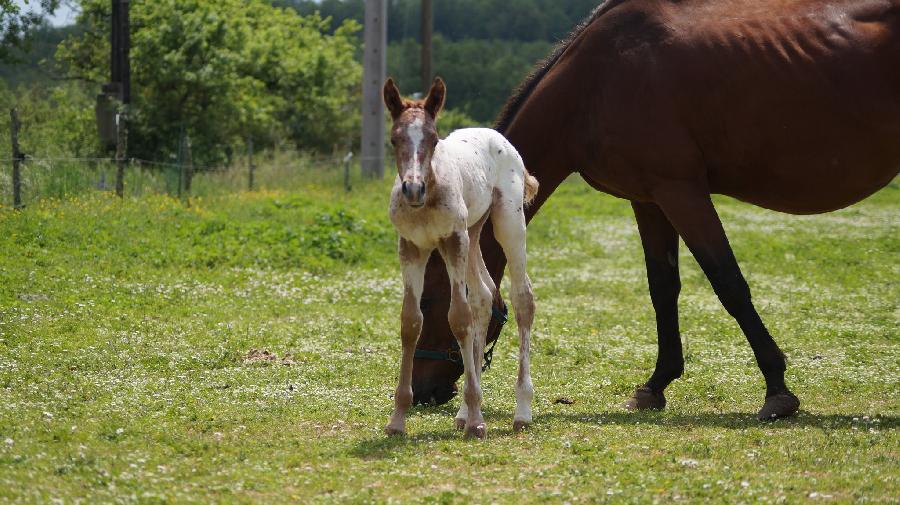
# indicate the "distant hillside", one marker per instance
pixel 482 48
pixel 525 20
pixel 30 66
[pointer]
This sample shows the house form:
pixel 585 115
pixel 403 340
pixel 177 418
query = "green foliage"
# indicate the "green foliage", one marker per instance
pixel 32 65
pixel 56 121
pixel 223 71
pixel 482 48
pixel 452 119
pixel 480 74
pixel 524 20
pixel 17 25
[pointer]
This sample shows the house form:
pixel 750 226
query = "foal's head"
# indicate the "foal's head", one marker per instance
pixel 414 136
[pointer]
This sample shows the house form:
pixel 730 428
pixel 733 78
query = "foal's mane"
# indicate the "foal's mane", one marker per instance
pixel 524 90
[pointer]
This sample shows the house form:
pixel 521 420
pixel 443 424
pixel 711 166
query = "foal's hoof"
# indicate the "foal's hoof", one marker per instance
pixel 476 431
pixel 645 399
pixel 779 405
pixel 394 431
pixel 460 424
pixel 519 425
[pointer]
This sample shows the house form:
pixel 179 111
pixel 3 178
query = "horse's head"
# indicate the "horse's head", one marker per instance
pixel 438 364
pixel 414 136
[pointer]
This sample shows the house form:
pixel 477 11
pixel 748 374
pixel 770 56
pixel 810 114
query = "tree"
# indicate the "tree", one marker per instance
pixel 480 74
pixel 224 71
pixel 482 48
pixel 16 25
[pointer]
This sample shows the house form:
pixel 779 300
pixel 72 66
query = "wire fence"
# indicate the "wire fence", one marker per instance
pixel 63 177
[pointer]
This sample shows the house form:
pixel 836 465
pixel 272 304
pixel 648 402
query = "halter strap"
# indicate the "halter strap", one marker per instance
pixel 454 355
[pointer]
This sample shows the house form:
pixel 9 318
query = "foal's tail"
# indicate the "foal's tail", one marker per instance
pixel 531 187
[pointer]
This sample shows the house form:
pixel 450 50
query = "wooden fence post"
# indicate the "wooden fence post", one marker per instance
pixel 250 167
pixel 17 158
pixel 121 152
pixel 188 166
pixel 347 159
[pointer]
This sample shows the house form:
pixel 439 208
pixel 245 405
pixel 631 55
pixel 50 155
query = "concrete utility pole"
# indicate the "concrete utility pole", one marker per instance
pixel 374 70
pixel 427 35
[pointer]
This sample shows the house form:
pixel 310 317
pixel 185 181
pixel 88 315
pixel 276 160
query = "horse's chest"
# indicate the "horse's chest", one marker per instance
pixel 424 227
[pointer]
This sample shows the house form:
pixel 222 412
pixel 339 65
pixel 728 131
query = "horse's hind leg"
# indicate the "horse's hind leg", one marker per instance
pixel 691 212
pixel 509 229
pixel 660 242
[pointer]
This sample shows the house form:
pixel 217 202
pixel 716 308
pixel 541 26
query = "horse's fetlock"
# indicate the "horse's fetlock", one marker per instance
pixel 403 397
pixel 472 394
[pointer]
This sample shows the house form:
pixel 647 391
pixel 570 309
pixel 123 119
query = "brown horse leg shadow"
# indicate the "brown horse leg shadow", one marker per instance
pixel 726 420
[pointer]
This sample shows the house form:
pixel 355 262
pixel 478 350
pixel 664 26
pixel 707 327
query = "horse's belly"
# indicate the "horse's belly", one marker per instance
pixel 811 182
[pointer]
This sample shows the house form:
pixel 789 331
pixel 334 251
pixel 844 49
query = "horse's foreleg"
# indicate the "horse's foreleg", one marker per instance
pixel 455 251
pixel 692 213
pixel 660 242
pixel 481 291
pixel 412 261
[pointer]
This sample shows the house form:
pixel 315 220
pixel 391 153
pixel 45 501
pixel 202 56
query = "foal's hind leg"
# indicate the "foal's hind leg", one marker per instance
pixel 692 213
pixel 509 228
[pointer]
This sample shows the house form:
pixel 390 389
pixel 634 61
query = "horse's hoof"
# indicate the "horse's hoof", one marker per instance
pixel 476 431
pixel 779 405
pixel 460 424
pixel 520 425
pixel 645 399
pixel 394 431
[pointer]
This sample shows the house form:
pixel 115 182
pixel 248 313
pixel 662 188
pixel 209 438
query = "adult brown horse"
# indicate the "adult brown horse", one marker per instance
pixel 792 105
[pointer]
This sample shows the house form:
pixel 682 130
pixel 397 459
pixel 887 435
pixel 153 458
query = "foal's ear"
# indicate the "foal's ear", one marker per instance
pixel 435 101
pixel 392 98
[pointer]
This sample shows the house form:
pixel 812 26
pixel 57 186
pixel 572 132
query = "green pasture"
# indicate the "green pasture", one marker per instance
pixel 125 328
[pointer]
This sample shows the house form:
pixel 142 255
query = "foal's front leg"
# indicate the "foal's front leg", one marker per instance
pixel 455 250
pixel 412 262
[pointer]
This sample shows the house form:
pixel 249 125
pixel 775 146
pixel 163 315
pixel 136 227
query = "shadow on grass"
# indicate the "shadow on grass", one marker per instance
pixel 383 446
pixel 499 424
pixel 730 420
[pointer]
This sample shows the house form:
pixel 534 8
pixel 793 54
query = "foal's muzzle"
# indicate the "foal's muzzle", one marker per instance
pixel 414 192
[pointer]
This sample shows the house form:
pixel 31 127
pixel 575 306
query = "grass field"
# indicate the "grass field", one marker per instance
pixel 124 329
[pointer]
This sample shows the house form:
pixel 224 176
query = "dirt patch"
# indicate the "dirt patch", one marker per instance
pixel 262 356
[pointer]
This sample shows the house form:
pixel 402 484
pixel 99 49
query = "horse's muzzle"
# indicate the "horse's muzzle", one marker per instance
pixel 414 192
pixel 433 395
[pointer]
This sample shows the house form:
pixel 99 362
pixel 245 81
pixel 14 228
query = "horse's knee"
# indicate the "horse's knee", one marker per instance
pixel 410 321
pixel 460 319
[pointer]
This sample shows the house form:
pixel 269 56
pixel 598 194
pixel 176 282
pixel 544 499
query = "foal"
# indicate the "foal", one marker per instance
pixel 444 193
